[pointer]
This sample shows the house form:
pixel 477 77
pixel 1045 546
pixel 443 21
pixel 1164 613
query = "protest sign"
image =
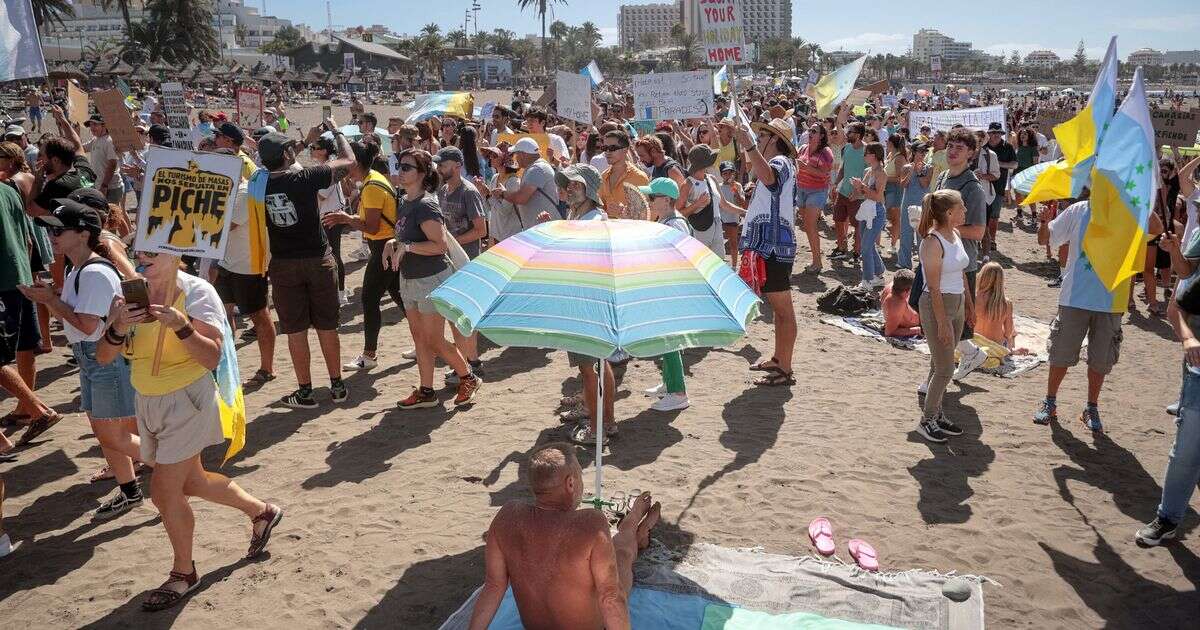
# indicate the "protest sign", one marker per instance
pixel 250 107
pixel 77 104
pixel 1048 117
pixel 890 100
pixel 187 199
pixel 878 87
pixel 859 110
pixel 20 48
pixel 642 127
pixel 176 109
pixel 574 101
pixel 670 95
pixel 1176 128
pixel 973 118
pixel 548 96
pixel 721 32
pixel 110 104
pixel 485 112
pixel 542 140
pixel 858 97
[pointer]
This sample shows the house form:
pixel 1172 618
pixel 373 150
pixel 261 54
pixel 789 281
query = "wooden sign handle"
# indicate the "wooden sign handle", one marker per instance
pixel 162 330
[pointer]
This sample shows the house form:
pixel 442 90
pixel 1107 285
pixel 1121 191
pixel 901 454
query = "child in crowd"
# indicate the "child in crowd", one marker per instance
pixel 899 319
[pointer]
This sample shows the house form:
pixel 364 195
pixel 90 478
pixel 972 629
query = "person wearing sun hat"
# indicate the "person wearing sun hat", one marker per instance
pixel 585 204
pixel 769 233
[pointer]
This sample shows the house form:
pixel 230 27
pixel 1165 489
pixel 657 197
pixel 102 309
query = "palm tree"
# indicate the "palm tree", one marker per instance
pixel 52 11
pixel 589 35
pixel 176 31
pixel 121 4
pixel 457 38
pixel 541 6
pixel 559 32
pixel 686 43
pixel 503 42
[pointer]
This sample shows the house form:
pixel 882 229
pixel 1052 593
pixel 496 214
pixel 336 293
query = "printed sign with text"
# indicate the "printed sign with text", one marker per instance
pixel 250 107
pixel 176 108
pixel 187 201
pixel 574 97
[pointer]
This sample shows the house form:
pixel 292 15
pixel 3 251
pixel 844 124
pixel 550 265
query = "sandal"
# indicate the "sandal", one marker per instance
pixel 762 366
pixel 14 419
pixel 162 597
pixel 38 427
pixel 103 474
pixel 775 378
pixel 271 516
pixel 260 378
pixel 583 436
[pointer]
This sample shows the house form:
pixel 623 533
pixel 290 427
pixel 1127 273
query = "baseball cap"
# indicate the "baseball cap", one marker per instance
pixel 72 215
pixel 661 186
pixel 160 133
pixel 526 145
pixel 262 131
pixel 231 131
pixel 93 120
pixel 448 154
pixel 89 197
pixel 14 130
pixel 272 146
pixel 727 166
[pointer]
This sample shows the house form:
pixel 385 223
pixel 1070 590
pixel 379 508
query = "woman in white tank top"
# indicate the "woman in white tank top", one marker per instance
pixel 943 303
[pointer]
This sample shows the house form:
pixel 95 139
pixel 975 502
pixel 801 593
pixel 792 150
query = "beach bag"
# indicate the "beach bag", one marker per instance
pixel 457 255
pixel 847 301
pixel 753 270
pixel 918 287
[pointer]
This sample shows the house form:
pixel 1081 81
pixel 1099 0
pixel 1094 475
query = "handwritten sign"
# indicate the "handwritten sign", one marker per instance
pixel 1176 128
pixel 176 108
pixel 671 95
pixel 1048 117
pixel 111 106
pixel 973 118
pixel 77 104
pixel 574 100
pixel 186 202
pixel 250 107
pixel 721 32
pixel 878 87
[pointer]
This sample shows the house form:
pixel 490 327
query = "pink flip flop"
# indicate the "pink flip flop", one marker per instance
pixel 820 532
pixel 864 554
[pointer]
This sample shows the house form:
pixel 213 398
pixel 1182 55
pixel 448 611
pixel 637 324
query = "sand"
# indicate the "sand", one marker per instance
pixel 385 508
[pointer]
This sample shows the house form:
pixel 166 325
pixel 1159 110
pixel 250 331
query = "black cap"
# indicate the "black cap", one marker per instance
pixel 160 133
pixel 272 146
pixel 451 154
pixel 89 197
pixel 72 215
pixel 231 131
pixel 995 128
pixel 93 119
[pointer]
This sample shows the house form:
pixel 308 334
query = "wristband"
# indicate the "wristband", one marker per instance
pixel 185 332
pixel 113 338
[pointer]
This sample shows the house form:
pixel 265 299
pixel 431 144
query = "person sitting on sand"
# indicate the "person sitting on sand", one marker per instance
pixel 899 319
pixel 565 568
pixel 994 317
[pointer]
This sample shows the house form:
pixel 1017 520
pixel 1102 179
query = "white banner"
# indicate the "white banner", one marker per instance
pixel 672 95
pixel 175 106
pixel 574 96
pixel 721 32
pixel 250 107
pixel 187 199
pixel 20 49
pixel 974 118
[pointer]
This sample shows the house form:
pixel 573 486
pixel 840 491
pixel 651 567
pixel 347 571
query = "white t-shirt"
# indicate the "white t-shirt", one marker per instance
pixel 1192 206
pixel 331 199
pixel 599 162
pixel 98 285
pixel 100 151
pixel 559 146
pixel 1043 147
pixel 237 250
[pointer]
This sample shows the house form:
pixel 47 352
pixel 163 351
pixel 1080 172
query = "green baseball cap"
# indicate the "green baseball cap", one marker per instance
pixel 663 186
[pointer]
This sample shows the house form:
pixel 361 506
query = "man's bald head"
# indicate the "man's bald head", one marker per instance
pixel 550 465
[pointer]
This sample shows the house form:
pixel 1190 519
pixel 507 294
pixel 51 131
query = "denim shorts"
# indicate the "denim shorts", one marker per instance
pixel 892 195
pixel 104 390
pixel 811 198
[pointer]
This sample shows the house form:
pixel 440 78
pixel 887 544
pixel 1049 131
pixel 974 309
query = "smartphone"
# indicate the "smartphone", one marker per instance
pixel 45 277
pixel 326 112
pixel 136 292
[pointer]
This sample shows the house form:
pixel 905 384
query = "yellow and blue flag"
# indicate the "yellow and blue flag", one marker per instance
pixel 229 395
pixel 721 80
pixel 460 104
pixel 834 87
pixel 1124 185
pixel 1079 137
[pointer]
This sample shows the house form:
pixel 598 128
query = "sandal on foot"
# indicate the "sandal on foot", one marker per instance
pixel 38 427
pixel 260 378
pixel 765 366
pixel 271 516
pixel 776 378
pixel 14 419
pixel 162 597
pixel 583 435
pixel 864 554
pixel 820 532
pixel 103 474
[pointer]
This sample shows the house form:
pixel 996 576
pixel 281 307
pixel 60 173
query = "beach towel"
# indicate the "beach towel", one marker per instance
pixel 260 252
pixel 717 588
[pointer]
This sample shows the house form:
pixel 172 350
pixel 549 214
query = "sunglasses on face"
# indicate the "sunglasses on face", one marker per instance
pixel 148 255
pixel 407 168
pixel 612 148
pixel 57 231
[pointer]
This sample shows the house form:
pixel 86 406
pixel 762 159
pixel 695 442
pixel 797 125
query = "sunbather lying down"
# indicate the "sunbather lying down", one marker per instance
pixel 565 568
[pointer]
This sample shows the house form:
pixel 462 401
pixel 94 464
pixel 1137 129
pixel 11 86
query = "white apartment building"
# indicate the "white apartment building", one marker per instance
pixel 761 19
pixel 1042 59
pixel 1146 57
pixel 635 21
pixel 929 42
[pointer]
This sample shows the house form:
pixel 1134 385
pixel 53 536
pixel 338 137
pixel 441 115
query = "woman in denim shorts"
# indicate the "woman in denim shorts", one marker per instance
pixel 106 395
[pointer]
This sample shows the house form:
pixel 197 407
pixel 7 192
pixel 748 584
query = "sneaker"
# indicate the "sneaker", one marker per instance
pixel 451 377
pixel 1046 413
pixel 575 414
pixel 1156 531
pixel 409 355
pixel 363 362
pixel 72 361
pixel 671 402
pixel 878 282
pixel 1173 409
pixel 929 430
pixel 1091 418
pixel 362 253
pixel 117 505
pixel 582 435
pixel 419 400
pixel 947 427
pixel 1055 283
pixel 300 399
pixel 658 391
pixel 969 364
pixel 838 254
pixel 476 367
pixel 339 391
pixel 467 388
pixel 343 298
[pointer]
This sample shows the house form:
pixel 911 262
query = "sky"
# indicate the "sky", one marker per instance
pixel 873 25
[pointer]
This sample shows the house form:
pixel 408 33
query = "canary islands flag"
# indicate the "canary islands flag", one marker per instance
pixel 460 104
pixel 592 71
pixel 1079 138
pixel 1124 185
pixel 834 87
pixel 229 394
pixel 721 80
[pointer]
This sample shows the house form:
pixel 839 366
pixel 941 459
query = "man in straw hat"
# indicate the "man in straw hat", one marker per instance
pixel 769 233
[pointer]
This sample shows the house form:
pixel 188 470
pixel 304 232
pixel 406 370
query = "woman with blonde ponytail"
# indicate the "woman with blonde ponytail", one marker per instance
pixel 943 304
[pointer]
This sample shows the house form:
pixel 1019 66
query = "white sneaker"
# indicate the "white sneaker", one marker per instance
pixel 363 362
pixel 878 282
pixel 969 364
pixel 344 298
pixel 362 253
pixel 658 391
pixel 409 355
pixel 923 388
pixel 671 402
pixel 452 377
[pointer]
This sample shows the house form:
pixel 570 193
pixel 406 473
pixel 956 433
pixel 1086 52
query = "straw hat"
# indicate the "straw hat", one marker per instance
pixel 781 129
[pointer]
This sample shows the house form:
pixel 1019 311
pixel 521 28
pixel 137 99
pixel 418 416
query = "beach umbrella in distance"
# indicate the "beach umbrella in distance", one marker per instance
pixel 1023 182
pixel 595 287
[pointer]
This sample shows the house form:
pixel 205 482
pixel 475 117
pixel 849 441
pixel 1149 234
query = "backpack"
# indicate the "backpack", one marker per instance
pixel 703 220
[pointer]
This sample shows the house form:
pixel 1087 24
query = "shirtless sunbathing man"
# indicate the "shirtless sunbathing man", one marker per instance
pixel 565 569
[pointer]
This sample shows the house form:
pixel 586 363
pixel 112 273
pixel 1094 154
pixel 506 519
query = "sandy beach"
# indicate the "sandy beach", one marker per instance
pixel 385 508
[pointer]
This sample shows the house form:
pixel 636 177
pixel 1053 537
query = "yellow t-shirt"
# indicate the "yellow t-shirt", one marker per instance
pixel 248 166
pixel 199 301
pixel 937 160
pixel 377 192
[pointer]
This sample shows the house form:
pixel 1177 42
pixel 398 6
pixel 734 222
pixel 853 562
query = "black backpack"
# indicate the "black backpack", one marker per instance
pixel 703 220
pixel 847 301
pixel 96 261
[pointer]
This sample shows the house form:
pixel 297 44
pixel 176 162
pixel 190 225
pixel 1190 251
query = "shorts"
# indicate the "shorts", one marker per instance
pixel 18 326
pixel 993 208
pixel 811 198
pixel 779 276
pixel 104 390
pixel 415 291
pixel 178 425
pixel 35 113
pixel 306 293
pixel 247 291
pixel 1162 259
pixel 1103 332
pixel 892 195
pixel 845 208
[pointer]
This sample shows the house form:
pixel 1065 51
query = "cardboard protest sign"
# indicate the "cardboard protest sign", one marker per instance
pixel 1048 117
pixel 973 118
pixel 858 97
pixel 111 106
pixel 187 200
pixel 176 109
pixel 574 100
pixel 250 107
pixel 547 96
pixel 879 87
pixel 671 95
pixel 721 32
pixel 543 141
pixel 77 104
pixel 20 48
pixel 1176 128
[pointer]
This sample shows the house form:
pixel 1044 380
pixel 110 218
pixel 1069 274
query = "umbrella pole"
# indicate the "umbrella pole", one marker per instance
pixel 600 428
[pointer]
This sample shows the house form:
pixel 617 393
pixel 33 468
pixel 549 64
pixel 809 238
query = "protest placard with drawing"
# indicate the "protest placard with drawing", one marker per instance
pixel 187 199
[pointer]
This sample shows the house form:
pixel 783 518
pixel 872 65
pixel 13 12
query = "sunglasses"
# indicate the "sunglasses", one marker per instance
pixel 57 231
pixel 407 168
pixel 150 255
pixel 611 148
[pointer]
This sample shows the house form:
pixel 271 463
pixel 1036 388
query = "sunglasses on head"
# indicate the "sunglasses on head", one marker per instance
pixel 406 168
